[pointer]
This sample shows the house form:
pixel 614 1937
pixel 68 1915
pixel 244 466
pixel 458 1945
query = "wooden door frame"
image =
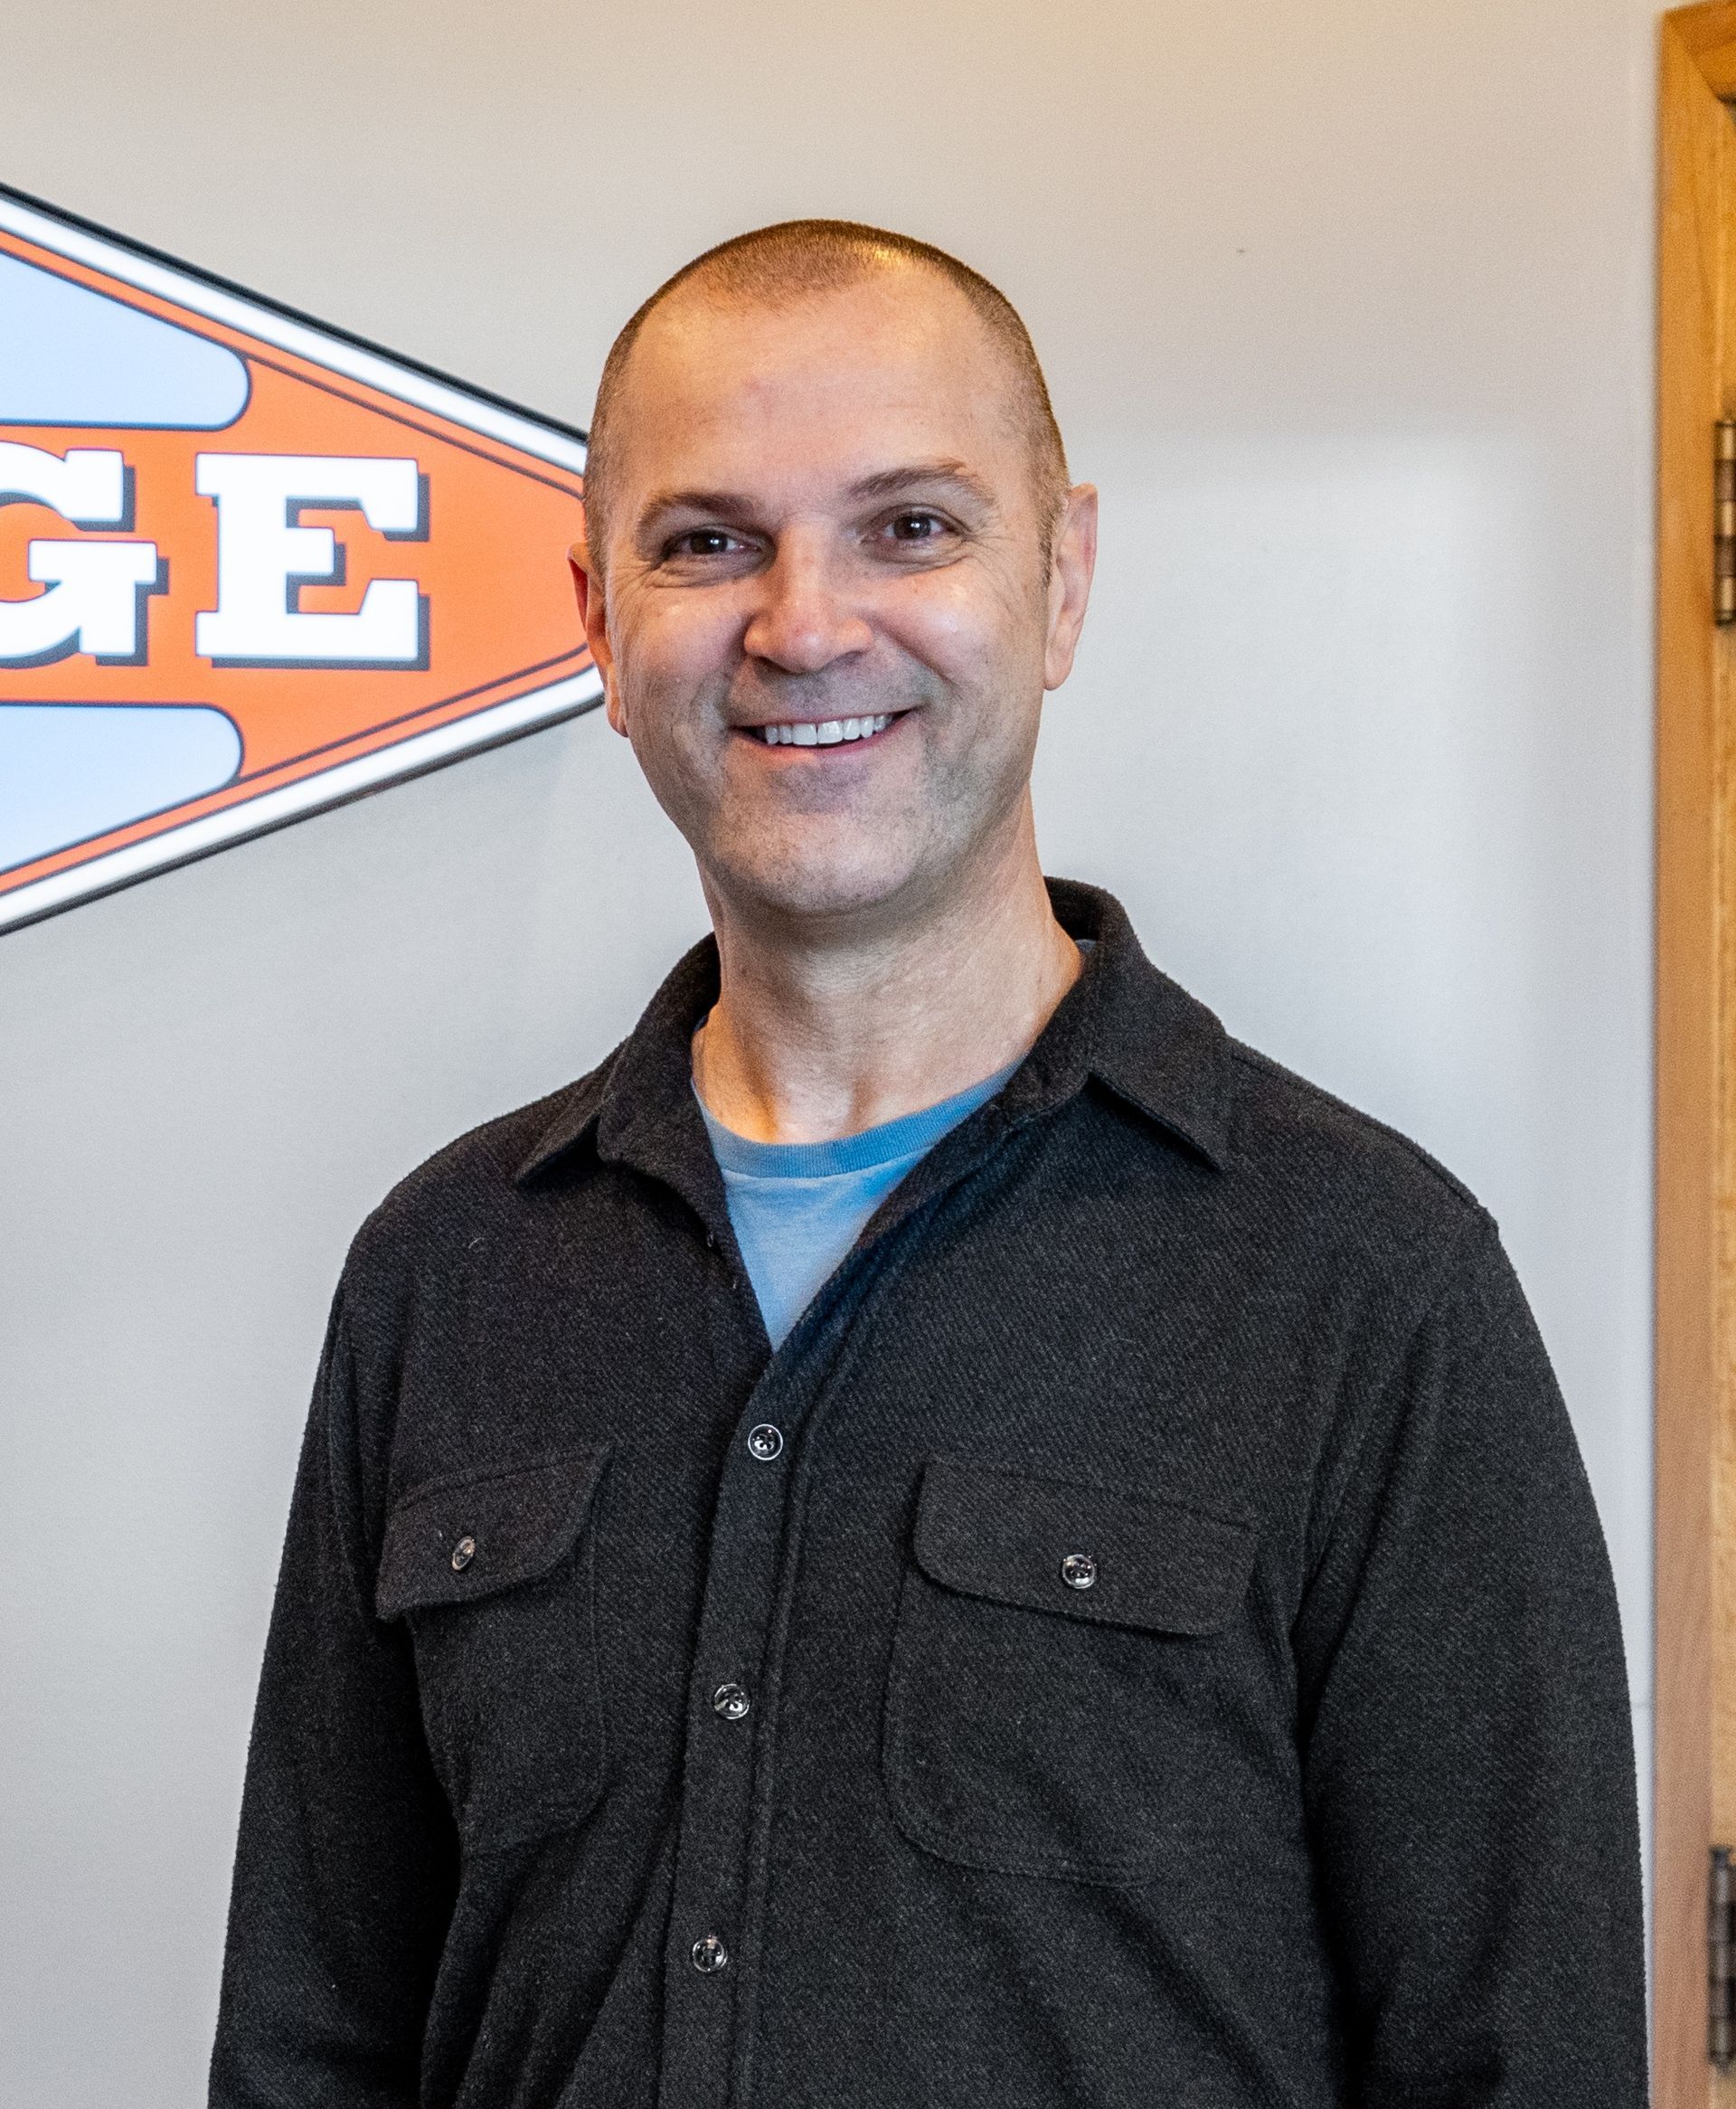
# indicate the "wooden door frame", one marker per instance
pixel 1696 1011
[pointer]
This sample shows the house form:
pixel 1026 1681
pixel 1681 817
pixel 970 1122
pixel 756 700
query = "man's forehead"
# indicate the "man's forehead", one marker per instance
pixel 902 349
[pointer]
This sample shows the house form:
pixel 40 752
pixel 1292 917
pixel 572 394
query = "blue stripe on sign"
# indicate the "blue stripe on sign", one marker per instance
pixel 71 770
pixel 71 356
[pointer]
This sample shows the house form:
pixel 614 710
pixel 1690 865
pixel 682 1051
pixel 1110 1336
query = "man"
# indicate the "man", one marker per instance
pixel 935 1532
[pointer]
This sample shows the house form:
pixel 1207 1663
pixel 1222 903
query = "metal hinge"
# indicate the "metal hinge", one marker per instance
pixel 1723 524
pixel 1721 1958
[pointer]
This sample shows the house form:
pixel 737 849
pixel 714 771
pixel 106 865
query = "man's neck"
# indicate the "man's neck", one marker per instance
pixel 814 1037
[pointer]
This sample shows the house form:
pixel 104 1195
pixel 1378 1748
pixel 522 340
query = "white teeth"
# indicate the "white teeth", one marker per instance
pixel 828 733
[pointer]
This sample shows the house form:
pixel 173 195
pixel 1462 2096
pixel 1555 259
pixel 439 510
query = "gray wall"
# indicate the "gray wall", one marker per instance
pixel 1346 307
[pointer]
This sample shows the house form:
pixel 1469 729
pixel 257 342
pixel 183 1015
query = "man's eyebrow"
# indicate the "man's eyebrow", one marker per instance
pixel 728 503
pixel 887 483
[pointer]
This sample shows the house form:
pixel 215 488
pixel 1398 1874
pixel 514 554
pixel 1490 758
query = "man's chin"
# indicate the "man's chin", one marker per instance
pixel 819 886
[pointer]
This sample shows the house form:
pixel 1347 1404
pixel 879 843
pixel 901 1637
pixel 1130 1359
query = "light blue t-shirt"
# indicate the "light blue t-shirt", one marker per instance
pixel 798 1207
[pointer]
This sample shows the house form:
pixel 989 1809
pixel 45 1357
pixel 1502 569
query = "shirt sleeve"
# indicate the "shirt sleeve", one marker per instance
pixel 346 1866
pixel 1466 1738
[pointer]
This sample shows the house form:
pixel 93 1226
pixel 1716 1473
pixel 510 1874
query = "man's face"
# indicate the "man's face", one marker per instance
pixel 827 626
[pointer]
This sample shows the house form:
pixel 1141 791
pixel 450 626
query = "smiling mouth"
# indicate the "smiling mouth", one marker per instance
pixel 825 732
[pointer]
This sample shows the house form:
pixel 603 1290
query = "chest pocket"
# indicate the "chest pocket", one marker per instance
pixel 493 1571
pixel 1055 1702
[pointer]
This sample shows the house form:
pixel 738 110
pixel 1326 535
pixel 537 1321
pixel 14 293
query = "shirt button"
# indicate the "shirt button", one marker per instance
pixel 1079 1570
pixel 730 1700
pixel 709 1954
pixel 765 1442
pixel 463 1553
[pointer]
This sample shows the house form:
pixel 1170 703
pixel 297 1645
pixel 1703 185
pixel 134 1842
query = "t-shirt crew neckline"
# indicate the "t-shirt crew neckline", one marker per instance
pixel 868 1149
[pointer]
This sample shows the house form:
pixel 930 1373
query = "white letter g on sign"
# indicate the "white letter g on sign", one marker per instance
pixel 97 591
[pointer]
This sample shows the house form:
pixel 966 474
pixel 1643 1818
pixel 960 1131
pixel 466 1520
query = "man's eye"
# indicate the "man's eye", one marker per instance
pixel 916 527
pixel 702 541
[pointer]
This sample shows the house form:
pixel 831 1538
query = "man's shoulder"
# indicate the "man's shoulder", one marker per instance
pixel 1292 1154
pixel 1302 1152
pixel 454 1196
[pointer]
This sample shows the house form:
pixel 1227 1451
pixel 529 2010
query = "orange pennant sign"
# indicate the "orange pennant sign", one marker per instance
pixel 249 566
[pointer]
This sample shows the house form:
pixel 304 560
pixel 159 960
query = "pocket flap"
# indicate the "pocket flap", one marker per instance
pixel 1136 1558
pixel 455 1540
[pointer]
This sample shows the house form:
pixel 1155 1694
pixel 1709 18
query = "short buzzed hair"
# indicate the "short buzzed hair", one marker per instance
pixel 796 260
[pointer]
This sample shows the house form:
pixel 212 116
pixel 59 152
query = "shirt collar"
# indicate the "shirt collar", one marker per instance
pixel 1157 1049
pixel 1123 1022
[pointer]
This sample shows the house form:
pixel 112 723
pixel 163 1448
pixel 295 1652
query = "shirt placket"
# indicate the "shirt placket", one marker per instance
pixel 725 1704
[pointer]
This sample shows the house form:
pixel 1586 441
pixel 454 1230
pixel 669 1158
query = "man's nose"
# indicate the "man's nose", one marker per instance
pixel 803 619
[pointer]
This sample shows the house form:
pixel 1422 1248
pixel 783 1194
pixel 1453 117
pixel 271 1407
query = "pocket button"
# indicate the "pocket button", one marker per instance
pixel 1079 1570
pixel 463 1553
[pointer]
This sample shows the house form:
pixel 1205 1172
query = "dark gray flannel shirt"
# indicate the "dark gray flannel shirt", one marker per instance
pixel 1145 1637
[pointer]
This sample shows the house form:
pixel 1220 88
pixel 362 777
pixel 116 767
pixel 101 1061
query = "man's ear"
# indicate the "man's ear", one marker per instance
pixel 1070 582
pixel 593 613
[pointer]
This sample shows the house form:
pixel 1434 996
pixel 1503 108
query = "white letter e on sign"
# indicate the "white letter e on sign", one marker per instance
pixel 264 558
